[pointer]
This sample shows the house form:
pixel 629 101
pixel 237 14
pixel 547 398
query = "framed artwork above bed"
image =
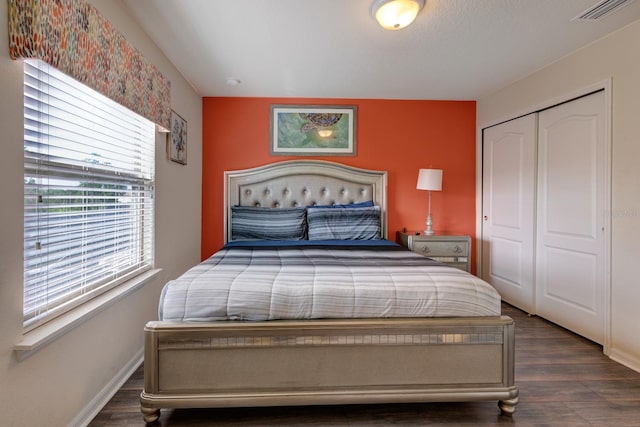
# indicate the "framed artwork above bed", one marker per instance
pixel 305 130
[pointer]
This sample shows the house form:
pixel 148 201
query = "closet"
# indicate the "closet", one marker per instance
pixel 543 213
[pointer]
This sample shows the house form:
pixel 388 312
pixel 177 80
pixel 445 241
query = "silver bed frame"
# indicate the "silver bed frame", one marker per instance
pixel 312 362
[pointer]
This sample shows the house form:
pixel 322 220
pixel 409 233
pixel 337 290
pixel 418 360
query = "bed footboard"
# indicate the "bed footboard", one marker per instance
pixel 227 364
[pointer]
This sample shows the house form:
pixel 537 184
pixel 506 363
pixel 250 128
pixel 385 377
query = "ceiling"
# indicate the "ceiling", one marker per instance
pixel 455 50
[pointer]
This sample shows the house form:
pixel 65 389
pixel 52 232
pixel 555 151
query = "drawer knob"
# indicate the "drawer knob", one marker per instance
pixel 425 249
pixel 457 249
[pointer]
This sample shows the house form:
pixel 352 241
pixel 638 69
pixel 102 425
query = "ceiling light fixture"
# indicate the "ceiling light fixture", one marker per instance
pixel 395 14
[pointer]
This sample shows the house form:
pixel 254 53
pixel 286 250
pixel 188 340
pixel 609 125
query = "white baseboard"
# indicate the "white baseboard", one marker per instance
pixel 625 359
pixel 101 399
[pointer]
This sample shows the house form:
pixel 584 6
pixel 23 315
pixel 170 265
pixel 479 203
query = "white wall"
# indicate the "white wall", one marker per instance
pixel 57 383
pixel 617 57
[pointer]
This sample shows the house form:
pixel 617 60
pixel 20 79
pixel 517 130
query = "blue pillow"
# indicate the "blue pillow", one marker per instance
pixel 253 223
pixel 366 204
pixel 344 223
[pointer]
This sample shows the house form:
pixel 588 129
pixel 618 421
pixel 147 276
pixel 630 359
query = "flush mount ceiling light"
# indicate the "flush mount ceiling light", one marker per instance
pixel 395 14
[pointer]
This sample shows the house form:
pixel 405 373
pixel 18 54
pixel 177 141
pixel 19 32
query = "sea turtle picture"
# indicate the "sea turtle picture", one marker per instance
pixel 319 121
pixel 313 130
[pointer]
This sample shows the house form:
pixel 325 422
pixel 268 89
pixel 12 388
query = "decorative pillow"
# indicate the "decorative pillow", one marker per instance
pixel 252 223
pixel 344 223
pixel 366 204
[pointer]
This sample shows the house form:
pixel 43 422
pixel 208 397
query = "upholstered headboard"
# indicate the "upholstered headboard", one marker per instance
pixel 296 183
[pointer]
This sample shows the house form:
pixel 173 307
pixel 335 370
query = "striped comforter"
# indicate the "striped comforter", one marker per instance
pixel 317 281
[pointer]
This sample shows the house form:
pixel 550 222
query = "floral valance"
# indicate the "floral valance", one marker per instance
pixel 74 37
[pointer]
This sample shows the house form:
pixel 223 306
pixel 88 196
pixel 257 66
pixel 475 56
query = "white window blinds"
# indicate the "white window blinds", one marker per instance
pixel 88 193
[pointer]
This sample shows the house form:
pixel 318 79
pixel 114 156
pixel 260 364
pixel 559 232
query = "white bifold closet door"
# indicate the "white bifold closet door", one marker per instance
pixel 543 213
pixel 508 217
pixel 570 220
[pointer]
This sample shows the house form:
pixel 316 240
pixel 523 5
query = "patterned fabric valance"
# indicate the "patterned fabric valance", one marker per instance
pixel 74 37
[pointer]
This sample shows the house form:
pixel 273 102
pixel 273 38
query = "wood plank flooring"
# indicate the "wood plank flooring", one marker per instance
pixel 564 381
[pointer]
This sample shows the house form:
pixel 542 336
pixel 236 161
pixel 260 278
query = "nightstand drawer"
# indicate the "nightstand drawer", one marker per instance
pixel 454 251
pixel 441 249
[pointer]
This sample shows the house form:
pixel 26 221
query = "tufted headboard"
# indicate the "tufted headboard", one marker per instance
pixel 303 183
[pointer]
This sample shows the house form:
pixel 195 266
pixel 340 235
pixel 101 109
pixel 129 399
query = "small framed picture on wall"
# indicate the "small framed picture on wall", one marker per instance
pixel 177 139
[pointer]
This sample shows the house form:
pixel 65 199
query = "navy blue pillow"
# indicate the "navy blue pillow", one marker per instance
pixel 344 223
pixel 253 223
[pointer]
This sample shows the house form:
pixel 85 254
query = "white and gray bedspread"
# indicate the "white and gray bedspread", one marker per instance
pixel 311 281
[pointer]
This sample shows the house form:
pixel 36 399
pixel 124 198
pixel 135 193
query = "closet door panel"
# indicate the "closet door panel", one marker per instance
pixel 568 150
pixel 569 277
pixel 570 215
pixel 508 210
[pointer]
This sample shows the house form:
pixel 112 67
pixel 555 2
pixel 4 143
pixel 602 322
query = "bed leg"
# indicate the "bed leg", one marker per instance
pixel 508 407
pixel 150 415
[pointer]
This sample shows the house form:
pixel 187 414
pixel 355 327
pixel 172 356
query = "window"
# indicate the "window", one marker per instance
pixel 88 193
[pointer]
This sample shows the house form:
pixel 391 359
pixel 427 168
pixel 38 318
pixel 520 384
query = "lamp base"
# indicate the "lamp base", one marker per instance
pixel 429 230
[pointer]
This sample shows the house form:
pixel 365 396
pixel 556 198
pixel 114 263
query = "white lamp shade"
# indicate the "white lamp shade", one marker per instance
pixel 396 14
pixel 430 179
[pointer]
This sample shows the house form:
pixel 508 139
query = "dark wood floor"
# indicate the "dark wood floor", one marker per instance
pixel 564 380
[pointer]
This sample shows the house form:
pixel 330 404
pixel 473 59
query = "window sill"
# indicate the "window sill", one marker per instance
pixel 38 338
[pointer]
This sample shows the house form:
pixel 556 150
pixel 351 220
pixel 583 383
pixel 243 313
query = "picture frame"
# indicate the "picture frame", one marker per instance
pixel 177 139
pixel 313 130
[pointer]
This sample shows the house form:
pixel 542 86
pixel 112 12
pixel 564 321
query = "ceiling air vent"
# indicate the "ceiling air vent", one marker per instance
pixel 602 9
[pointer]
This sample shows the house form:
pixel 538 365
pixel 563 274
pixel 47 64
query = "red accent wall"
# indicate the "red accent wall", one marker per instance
pixel 397 136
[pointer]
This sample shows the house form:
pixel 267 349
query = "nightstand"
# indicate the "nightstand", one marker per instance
pixel 454 251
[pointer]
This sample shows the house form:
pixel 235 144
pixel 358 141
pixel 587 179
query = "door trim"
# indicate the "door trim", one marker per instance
pixel 604 85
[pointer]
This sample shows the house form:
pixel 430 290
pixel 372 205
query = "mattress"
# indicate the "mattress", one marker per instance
pixel 315 280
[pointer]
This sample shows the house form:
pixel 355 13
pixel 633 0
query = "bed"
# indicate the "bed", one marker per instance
pixel 354 346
